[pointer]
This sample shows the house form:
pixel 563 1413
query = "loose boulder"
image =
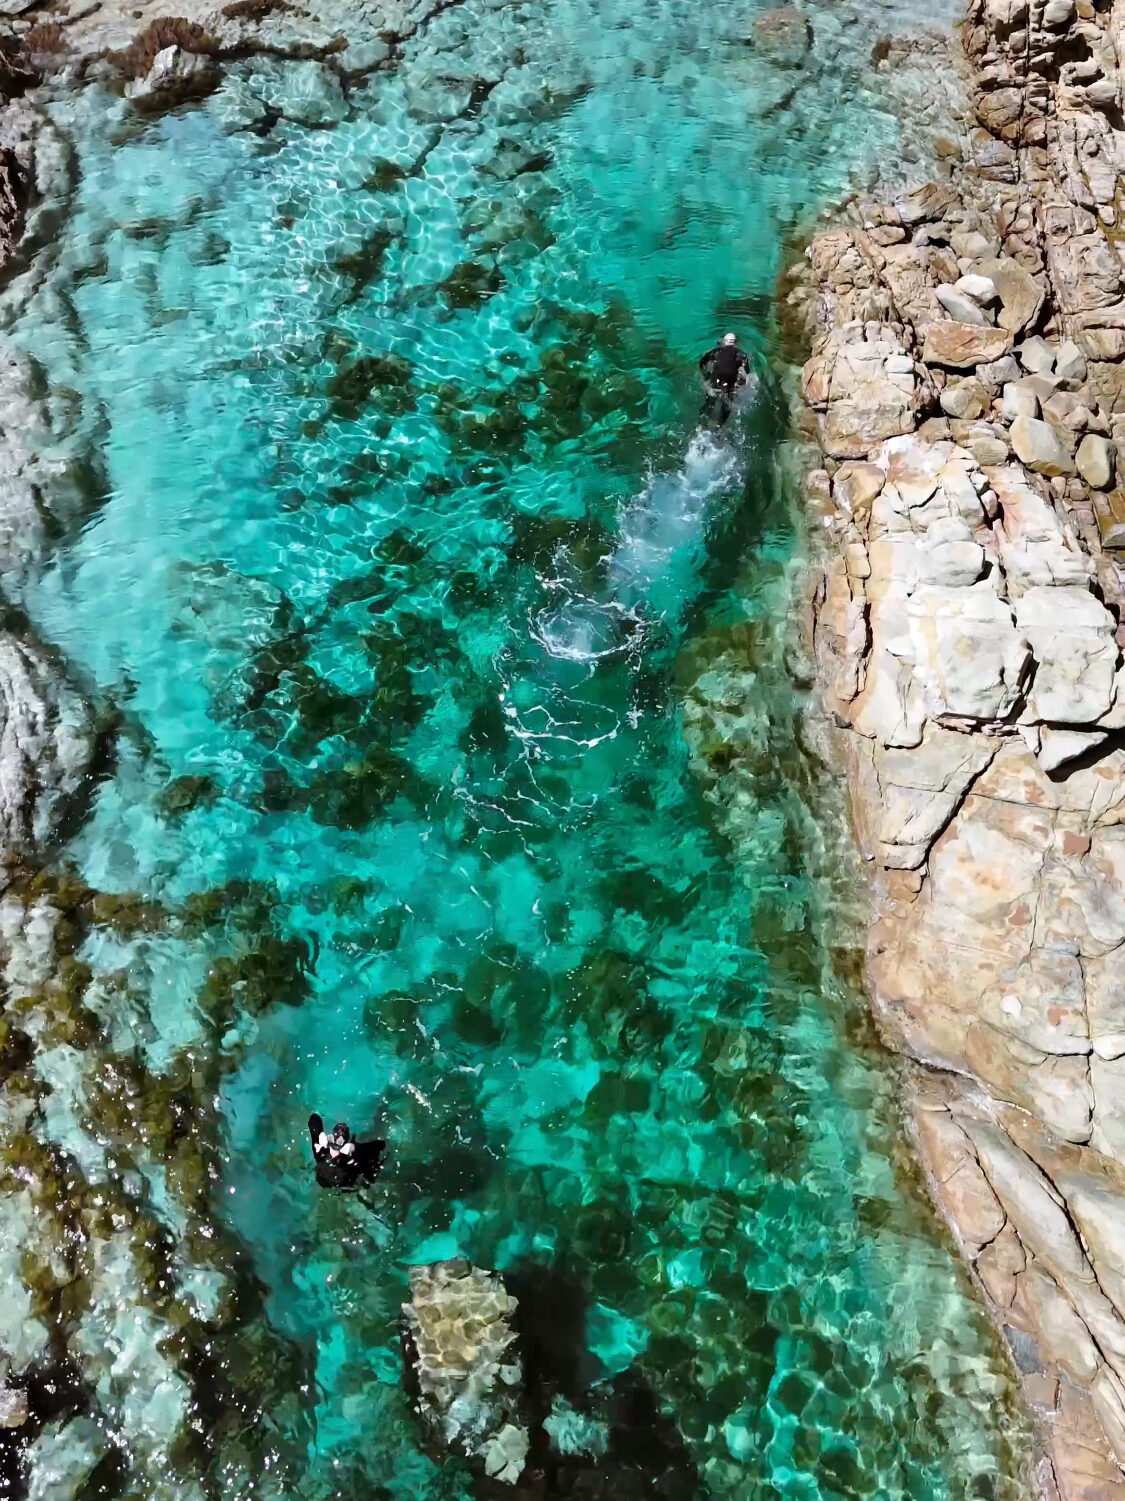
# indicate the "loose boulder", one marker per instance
pixel 962 346
pixel 1041 447
pixel 1095 461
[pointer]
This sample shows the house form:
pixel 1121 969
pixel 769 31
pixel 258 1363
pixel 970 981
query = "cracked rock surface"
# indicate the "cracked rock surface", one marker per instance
pixel 967 391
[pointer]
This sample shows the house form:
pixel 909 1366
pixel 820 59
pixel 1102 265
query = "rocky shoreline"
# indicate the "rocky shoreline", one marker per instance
pixel 967 393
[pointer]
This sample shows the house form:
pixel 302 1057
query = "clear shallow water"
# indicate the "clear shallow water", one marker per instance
pixel 414 558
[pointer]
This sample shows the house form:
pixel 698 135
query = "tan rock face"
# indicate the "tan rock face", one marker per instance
pixel 1041 446
pixel 1095 461
pixel 866 390
pixel 1021 294
pixel 961 346
pixel 969 638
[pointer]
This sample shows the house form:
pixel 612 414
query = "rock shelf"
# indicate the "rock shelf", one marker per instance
pixel 967 392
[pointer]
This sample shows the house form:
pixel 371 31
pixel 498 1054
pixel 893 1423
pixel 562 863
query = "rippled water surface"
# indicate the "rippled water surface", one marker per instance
pixel 473 647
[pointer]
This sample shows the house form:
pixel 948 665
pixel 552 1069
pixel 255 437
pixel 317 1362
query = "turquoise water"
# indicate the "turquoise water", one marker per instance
pixel 415 561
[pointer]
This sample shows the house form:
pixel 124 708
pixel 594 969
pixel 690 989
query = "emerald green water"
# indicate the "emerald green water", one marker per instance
pixel 414 555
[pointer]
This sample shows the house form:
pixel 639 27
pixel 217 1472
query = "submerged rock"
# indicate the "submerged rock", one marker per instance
pixel 47 744
pixel 461 1349
pixel 63 1458
pixel 306 92
pixel 784 35
pixel 13 1406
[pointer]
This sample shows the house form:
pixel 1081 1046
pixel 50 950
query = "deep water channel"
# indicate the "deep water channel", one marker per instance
pixel 451 670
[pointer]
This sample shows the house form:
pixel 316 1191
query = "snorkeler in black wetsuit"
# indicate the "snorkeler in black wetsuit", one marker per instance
pixel 724 368
pixel 341 1161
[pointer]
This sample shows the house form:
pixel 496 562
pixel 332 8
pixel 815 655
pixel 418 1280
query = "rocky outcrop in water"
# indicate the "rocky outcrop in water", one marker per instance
pixel 48 738
pixel 967 394
pixel 461 1351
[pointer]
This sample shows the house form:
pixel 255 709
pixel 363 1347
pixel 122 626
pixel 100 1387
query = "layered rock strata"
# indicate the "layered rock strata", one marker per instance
pixel 967 392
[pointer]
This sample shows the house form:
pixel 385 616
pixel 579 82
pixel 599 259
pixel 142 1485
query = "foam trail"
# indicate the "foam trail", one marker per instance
pixel 660 530
pixel 662 524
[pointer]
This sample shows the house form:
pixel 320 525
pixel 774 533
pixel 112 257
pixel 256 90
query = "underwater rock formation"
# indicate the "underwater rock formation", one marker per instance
pixel 967 395
pixel 460 1349
pixel 48 738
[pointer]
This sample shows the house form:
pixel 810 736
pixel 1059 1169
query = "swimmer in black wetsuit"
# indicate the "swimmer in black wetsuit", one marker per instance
pixel 341 1161
pixel 724 368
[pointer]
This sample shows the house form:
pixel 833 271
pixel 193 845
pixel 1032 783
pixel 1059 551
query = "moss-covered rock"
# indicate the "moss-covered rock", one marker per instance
pixel 185 793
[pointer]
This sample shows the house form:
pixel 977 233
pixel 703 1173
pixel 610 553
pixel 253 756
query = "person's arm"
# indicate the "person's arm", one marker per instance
pixel 743 363
pixel 316 1130
pixel 707 361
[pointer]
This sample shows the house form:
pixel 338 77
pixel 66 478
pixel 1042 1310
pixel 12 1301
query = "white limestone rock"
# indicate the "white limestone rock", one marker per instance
pixel 1019 400
pixel 867 391
pixel 1070 362
pixel 1071 634
pixel 1057 747
pixel 175 76
pixel 908 796
pixel 965 399
pixel 1036 356
pixel 970 658
pixel 1034 548
pixel 982 289
pixel 1058 14
pixel 960 307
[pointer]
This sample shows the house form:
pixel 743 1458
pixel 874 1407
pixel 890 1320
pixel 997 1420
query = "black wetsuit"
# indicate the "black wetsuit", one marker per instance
pixel 337 1167
pixel 724 369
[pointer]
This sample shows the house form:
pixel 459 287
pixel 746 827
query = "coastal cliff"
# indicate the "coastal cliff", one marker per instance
pixel 967 392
